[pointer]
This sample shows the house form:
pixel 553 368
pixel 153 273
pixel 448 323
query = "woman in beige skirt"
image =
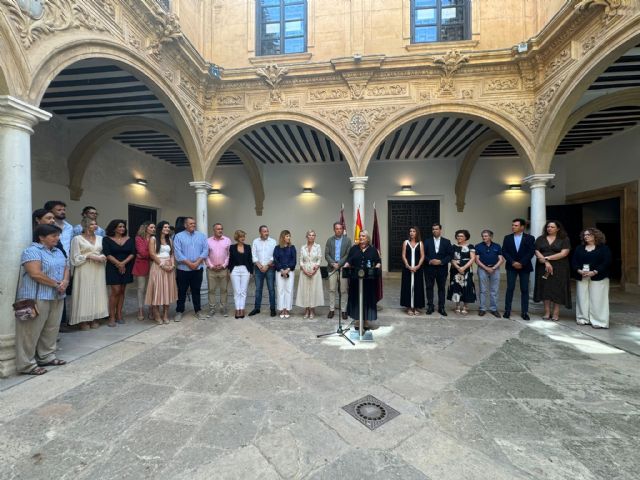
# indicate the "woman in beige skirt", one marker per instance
pixel 161 290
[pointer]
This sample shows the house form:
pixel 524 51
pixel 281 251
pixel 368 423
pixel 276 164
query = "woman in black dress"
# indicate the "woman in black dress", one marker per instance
pixel 553 279
pixel 412 286
pixel 461 288
pixel 363 255
pixel 120 251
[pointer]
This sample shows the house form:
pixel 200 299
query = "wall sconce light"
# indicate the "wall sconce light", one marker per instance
pixel 215 191
pixel 514 186
pixel 406 188
pixel 141 181
pixel 357 57
pixel 307 190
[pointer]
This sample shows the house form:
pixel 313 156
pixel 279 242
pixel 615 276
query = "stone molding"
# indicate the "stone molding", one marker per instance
pixel 18 114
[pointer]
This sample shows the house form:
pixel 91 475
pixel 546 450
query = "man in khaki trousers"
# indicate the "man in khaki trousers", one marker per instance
pixel 217 272
pixel 335 252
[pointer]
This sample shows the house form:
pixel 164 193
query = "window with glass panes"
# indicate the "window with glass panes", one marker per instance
pixel 439 20
pixel 281 26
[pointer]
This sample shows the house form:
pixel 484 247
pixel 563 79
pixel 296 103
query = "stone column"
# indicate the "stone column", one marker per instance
pixel 358 184
pixel 16 121
pixel 537 184
pixel 202 224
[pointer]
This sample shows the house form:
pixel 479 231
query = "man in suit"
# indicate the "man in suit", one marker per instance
pixel 336 251
pixel 438 253
pixel 518 249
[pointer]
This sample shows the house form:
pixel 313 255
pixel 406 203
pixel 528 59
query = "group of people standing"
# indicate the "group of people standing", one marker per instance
pixel 164 267
pixel 429 262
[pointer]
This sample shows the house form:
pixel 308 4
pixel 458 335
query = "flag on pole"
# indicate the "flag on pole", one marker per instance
pixel 375 242
pixel 358 229
pixel 342 222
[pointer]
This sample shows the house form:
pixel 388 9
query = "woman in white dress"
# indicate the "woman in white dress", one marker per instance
pixel 310 293
pixel 90 300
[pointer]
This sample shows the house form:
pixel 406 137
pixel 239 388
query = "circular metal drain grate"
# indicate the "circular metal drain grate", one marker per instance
pixel 371 411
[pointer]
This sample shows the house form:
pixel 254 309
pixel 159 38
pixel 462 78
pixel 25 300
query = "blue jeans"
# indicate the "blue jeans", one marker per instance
pixel 489 284
pixel 524 289
pixel 271 279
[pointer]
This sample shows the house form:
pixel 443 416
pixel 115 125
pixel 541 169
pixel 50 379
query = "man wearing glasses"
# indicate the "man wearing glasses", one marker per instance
pixel 92 213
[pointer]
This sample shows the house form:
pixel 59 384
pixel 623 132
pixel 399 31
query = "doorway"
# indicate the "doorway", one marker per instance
pixel 404 214
pixel 138 215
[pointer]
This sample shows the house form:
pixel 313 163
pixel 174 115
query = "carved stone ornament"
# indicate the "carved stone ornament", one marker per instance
pixel 502 84
pixel 530 113
pixel 35 19
pixel 328 94
pixel 216 123
pixel 273 76
pixel 166 28
pixel 611 7
pixel 358 124
pixel 449 64
pixel 357 82
pixel 558 62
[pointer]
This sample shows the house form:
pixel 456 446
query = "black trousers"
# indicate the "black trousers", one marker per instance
pixel 436 274
pixel 185 280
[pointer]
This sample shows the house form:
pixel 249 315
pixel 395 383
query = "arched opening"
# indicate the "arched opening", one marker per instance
pixel 117 126
pixel 276 160
pixel 428 167
pixel 591 78
pixel 597 160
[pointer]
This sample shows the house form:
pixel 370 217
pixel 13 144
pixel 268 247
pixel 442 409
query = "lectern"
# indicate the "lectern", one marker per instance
pixel 361 274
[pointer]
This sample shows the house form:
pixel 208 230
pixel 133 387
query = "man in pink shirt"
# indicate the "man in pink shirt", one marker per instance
pixel 217 272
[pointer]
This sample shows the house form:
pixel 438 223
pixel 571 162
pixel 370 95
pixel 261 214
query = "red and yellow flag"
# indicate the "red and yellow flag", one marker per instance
pixel 358 229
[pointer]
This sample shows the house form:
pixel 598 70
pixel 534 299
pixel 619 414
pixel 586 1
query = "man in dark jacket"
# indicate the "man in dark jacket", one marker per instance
pixel 518 249
pixel 438 252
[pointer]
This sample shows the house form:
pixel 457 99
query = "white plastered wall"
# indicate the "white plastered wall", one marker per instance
pixel 609 162
pixel 109 179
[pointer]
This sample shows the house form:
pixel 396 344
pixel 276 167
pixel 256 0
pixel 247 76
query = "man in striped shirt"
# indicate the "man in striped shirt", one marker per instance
pixel 191 251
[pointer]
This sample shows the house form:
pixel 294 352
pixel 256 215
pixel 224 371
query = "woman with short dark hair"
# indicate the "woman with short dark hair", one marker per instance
pixel 553 280
pixel 45 280
pixel 461 287
pixel 120 252
pixel 592 260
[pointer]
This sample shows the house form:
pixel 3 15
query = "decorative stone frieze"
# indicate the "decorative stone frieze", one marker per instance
pixel 358 123
pixel 35 20
pixel 502 84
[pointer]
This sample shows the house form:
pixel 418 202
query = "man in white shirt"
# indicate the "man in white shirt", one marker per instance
pixel 262 253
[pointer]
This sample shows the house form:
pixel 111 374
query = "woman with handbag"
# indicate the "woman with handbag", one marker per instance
pixel 43 286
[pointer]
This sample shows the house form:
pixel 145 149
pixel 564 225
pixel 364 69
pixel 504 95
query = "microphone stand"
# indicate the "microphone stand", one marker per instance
pixel 340 331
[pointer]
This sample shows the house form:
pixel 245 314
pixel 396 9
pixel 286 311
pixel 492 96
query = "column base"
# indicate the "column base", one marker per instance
pixel 7 355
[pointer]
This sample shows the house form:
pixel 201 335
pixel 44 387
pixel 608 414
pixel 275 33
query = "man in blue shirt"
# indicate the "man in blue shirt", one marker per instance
pixel 489 258
pixel 191 251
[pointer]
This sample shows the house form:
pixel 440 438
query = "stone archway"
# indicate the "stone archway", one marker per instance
pixel 518 138
pixel 253 173
pixel 233 132
pixel 67 55
pixel 611 45
pixel 86 148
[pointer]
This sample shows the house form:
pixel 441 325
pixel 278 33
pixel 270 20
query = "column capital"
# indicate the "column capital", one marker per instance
pixel 538 180
pixel 358 183
pixel 19 114
pixel 201 185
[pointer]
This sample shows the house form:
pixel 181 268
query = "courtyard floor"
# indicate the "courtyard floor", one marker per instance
pixel 262 398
